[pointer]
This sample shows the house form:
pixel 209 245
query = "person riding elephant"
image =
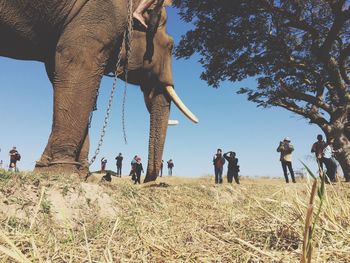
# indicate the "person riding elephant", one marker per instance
pixel 79 42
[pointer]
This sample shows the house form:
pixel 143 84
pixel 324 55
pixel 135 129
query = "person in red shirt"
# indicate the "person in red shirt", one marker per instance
pixel 218 162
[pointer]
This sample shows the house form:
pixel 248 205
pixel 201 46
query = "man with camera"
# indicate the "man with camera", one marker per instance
pixel 286 149
pixel 232 167
pixel 318 148
pixel 14 157
pixel 218 161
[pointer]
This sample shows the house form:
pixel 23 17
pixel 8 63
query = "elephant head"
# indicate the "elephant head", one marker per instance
pixel 150 66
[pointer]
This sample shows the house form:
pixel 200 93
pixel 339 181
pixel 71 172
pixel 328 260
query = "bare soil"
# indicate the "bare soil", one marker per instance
pixel 175 219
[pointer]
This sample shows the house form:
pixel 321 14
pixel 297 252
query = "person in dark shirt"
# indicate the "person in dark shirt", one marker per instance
pixel 119 164
pixel 318 148
pixel 232 168
pixel 170 167
pixel 218 162
pixel 138 170
pixel 161 168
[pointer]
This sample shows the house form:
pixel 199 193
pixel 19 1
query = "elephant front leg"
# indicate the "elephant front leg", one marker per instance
pixel 77 76
pixel 45 157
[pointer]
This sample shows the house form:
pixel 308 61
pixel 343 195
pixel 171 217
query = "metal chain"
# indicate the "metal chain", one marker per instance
pixel 126 43
pixel 128 50
pixel 123 113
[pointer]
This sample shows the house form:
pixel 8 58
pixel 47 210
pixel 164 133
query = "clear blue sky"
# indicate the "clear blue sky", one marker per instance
pixel 226 120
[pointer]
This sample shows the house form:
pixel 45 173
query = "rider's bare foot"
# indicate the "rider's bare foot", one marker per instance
pixel 140 18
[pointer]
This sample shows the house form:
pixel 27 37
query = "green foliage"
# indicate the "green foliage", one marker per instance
pixel 4 175
pixel 12 222
pixel 46 206
pixel 295 49
pixel 65 190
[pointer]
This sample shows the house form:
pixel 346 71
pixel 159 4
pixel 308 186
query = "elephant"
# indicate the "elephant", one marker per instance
pixel 79 42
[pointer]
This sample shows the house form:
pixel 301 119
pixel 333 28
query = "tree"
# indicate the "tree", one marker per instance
pixel 297 50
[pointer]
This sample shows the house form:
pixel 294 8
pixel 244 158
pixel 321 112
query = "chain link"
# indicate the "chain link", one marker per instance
pixel 128 50
pixel 127 44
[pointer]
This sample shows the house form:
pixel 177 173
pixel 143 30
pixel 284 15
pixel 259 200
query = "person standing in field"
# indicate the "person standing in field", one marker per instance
pixel 218 162
pixel 138 170
pixel 132 171
pixel 119 164
pixel 329 161
pixel 161 168
pixel 232 167
pixel 318 148
pixel 286 149
pixel 170 167
pixel 14 157
pixel 103 164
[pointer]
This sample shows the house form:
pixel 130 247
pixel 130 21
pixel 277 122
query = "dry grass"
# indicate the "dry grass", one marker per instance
pixel 176 220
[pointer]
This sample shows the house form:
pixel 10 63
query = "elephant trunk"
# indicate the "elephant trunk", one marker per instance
pixel 159 115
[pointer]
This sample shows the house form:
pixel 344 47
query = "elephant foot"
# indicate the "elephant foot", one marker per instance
pixel 43 162
pixel 150 177
pixel 62 168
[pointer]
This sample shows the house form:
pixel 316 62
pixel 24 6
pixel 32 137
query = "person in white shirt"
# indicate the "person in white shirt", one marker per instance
pixel 329 160
pixel 286 149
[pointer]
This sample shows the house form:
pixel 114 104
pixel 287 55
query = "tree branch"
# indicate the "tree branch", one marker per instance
pixel 315 101
pixel 293 20
pixel 336 80
pixel 314 117
pixel 344 54
pixel 336 6
pixel 339 20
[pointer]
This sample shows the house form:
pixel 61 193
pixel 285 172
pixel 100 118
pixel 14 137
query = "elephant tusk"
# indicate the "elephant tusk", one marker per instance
pixel 173 122
pixel 180 104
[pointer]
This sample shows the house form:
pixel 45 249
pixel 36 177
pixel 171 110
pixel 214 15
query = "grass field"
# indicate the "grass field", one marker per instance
pixel 59 219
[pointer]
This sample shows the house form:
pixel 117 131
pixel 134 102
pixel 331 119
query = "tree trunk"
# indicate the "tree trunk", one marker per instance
pixel 343 158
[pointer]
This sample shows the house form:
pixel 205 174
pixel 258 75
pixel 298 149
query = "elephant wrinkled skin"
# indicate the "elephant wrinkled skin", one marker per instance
pixel 78 42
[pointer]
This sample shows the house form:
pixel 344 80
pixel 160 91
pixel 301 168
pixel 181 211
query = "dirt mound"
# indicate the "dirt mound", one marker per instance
pixel 175 219
pixel 65 202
